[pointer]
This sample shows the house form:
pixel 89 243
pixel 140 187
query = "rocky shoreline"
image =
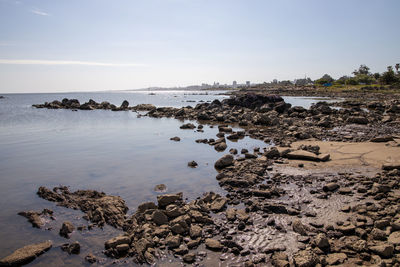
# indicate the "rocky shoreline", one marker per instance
pixel 313 215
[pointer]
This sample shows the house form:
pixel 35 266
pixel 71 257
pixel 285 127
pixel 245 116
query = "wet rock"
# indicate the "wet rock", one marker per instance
pixel 146 206
pixel 36 218
pixel 26 254
pixel 188 126
pixel 159 217
pixel 144 107
pixel 74 248
pixel 213 244
pixel 114 242
pixel 176 138
pixel 192 164
pixel 225 161
pixel 125 104
pixel 66 229
pixel 90 258
pixel 160 188
pixel 167 199
pixel 99 207
pixel 220 146
pixel 233 151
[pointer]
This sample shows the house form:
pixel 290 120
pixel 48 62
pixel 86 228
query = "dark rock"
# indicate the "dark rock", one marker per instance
pixel 66 229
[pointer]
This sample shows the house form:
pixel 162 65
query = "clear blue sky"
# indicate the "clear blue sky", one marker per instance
pixel 85 45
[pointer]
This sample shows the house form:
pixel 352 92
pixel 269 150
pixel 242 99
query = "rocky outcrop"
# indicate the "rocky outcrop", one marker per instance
pixel 99 207
pixel 26 254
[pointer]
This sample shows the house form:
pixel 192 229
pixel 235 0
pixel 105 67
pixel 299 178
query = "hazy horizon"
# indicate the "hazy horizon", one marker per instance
pixel 98 45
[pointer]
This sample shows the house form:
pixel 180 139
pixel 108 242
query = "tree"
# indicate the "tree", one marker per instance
pixel 377 75
pixel 324 79
pixel 397 66
pixel 389 77
pixel 363 69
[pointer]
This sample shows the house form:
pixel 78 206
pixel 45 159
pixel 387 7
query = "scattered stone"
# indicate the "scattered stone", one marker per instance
pixel 225 161
pixel 74 248
pixel 176 138
pixel 66 229
pixel 213 244
pixel 192 164
pixel 160 188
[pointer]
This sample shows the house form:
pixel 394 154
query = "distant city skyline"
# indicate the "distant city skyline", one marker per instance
pixel 96 45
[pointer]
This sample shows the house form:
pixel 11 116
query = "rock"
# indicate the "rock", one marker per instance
pixel 305 258
pixel 195 231
pixel 74 248
pixel 159 217
pixel 165 200
pixel 225 161
pixel 391 166
pixel 189 258
pixel 358 120
pixel 188 126
pixel 300 228
pixel 233 151
pixel 146 206
pixel 90 258
pixel 125 104
pixel 99 207
pixel 330 187
pixel 306 155
pixel 220 146
pixel 26 254
pixel 35 218
pixel 66 229
pixel 213 244
pixel 218 204
pixel 336 258
pixel 176 138
pixel 346 229
pixel 160 188
pixel 378 234
pixel 192 164
pixel 122 249
pixel 394 238
pixel 173 241
pixel 384 250
pixel 118 240
pixel 272 153
pixel 145 107
pixel 322 241
pixel 382 138
pixel 280 259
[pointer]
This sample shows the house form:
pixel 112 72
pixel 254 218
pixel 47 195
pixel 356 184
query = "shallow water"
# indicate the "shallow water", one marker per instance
pixel 114 152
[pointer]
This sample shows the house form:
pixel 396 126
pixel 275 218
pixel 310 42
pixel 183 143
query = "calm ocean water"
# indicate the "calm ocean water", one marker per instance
pixel 114 152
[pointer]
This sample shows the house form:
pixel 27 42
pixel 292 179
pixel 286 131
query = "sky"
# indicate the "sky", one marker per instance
pixel 95 45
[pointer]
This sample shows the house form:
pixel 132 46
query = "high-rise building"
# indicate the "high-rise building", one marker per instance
pixel 247 83
pixel 234 84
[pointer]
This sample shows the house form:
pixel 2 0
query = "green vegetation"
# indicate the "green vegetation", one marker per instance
pixel 363 77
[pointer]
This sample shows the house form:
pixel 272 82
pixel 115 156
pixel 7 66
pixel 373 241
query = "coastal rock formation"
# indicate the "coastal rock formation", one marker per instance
pixel 99 207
